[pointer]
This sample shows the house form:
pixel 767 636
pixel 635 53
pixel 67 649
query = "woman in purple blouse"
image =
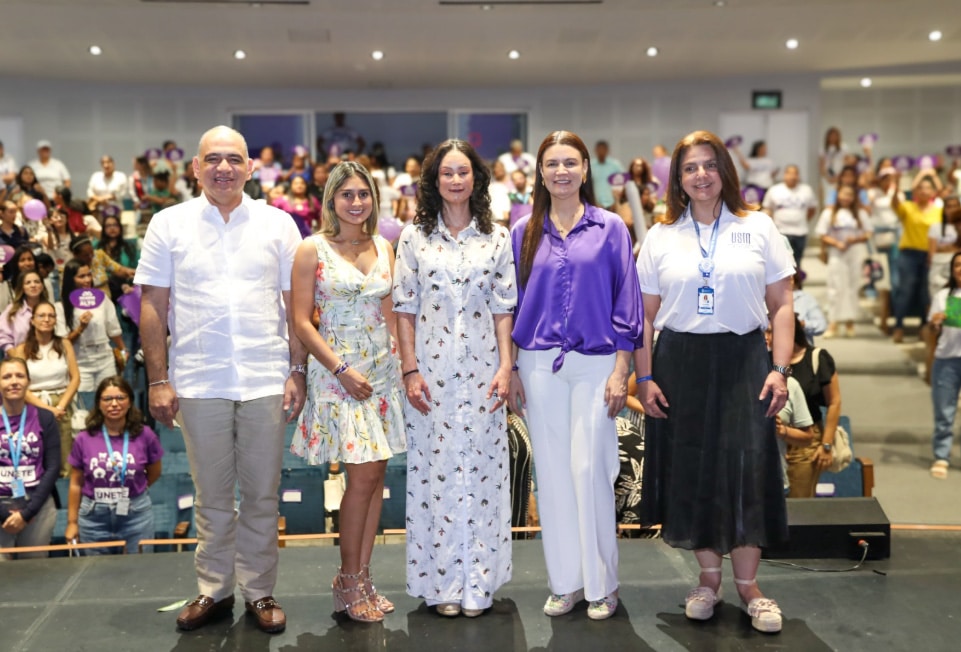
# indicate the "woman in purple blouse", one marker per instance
pixel 114 461
pixel 578 320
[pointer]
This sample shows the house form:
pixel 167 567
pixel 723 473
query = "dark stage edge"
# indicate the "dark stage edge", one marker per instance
pixel 111 604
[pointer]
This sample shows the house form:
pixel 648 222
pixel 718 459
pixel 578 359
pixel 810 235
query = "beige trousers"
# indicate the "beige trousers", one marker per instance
pixel 235 445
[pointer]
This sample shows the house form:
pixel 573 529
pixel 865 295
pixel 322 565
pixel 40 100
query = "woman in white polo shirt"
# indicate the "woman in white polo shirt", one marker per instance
pixel 710 275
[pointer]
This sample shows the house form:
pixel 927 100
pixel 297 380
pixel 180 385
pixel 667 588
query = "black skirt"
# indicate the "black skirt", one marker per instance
pixel 712 471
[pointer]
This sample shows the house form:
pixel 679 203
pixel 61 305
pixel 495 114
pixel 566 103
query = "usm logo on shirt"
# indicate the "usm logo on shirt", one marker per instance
pixel 740 238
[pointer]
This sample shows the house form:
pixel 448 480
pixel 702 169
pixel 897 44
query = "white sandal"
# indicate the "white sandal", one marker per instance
pixel 939 469
pixel 700 601
pixel 764 612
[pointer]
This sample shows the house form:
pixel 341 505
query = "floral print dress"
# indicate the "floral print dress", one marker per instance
pixel 334 427
pixel 458 488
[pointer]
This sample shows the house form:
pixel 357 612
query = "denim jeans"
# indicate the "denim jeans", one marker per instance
pixel 911 295
pixel 945 386
pixel 797 248
pixel 100 522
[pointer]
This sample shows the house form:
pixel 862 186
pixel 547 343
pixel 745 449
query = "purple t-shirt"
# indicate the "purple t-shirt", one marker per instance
pixel 582 294
pixel 90 454
pixel 31 451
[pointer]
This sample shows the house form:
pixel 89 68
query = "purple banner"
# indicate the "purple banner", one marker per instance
pixel 953 150
pixel 175 155
pixel 409 190
pixel 753 194
pixel 130 303
pixel 86 298
pixel 868 140
pixel 153 154
pixel 617 179
pixel 902 163
pixel 926 162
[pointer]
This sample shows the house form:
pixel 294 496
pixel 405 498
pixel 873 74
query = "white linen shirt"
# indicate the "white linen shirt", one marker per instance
pixel 750 255
pixel 226 317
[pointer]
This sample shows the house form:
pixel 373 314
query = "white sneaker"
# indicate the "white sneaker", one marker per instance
pixel 765 615
pixel 603 608
pixel 700 601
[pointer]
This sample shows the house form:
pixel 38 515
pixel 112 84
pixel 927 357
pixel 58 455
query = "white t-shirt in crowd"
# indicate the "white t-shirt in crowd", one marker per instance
pixel 789 207
pixel 227 325
pixel 500 200
pixel 750 255
pixel 943 234
pixel 760 172
pixel 949 342
pixel 117 185
pixel 525 162
pixel 50 175
pixel 844 227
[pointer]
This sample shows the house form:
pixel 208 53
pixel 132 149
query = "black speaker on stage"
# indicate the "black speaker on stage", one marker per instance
pixel 822 528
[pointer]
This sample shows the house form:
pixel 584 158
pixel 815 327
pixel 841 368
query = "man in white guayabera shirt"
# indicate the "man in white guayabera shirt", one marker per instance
pixel 216 270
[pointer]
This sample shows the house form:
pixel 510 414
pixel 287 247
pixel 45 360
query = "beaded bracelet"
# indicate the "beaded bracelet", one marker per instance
pixel 412 371
pixel 644 379
pixel 342 368
pixel 159 382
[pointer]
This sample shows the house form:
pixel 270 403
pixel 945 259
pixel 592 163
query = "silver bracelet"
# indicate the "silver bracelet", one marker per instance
pixel 158 382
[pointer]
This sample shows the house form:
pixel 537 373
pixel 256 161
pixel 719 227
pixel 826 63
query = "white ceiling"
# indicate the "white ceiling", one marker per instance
pixel 327 43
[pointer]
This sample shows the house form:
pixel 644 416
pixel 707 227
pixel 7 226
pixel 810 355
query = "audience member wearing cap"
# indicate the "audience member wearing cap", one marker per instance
pixel 102 266
pixel 51 172
pixel 90 330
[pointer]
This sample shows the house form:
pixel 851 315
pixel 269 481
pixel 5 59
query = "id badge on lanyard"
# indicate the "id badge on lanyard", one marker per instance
pixel 705 293
pixel 17 487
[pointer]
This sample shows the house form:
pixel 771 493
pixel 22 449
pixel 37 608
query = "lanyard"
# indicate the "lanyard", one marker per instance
pixel 706 266
pixel 123 464
pixel 15 452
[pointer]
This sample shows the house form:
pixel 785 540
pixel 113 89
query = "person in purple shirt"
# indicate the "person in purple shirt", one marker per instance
pixel 29 464
pixel 578 320
pixel 113 462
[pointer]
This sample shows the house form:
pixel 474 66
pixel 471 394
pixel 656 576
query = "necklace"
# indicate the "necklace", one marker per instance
pixel 556 221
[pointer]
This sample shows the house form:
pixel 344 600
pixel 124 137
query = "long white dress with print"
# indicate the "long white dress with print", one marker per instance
pixel 458 489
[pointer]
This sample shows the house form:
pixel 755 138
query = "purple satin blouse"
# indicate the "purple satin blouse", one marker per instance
pixel 583 294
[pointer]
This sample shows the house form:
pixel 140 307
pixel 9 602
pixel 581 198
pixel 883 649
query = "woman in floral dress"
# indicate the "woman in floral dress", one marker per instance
pixel 354 409
pixel 454 294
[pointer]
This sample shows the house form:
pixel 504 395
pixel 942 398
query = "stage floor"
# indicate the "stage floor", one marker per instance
pixel 907 602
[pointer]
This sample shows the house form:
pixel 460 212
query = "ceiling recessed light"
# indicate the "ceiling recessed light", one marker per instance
pixel 792 44
pixel 486 7
pixel 377 55
pixel 240 54
pixel 719 3
pixel 652 51
pixel 866 82
pixel 95 50
pixel 935 35
pixel 513 54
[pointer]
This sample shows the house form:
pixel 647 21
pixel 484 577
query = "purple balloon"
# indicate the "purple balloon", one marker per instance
pixel 130 303
pixel 35 210
pixel 390 228
pixel 86 298
pixel 661 170
pixel 6 253
pixel 733 141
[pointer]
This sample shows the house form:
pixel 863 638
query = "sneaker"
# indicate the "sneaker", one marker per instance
pixel 765 615
pixel 939 469
pixel 603 608
pixel 560 604
pixel 700 601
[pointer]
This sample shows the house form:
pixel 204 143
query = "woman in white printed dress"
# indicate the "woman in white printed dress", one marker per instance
pixel 454 296
pixel 354 410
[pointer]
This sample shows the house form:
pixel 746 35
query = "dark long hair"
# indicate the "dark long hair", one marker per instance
pixel 677 199
pixel 534 230
pixel 31 347
pixel 11 268
pixel 134 424
pixel 115 247
pixel 429 201
pixel 952 284
pixel 68 285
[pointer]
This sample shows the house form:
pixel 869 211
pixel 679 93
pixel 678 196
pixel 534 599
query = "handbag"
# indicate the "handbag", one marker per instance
pixel 79 419
pixel 842 441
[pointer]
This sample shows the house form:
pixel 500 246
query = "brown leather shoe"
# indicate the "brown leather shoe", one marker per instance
pixel 202 610
pixel 270 616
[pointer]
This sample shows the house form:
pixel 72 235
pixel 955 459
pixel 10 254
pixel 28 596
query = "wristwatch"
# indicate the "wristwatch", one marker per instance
pixel 298 369
pixel 827 447
pixel 784 370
